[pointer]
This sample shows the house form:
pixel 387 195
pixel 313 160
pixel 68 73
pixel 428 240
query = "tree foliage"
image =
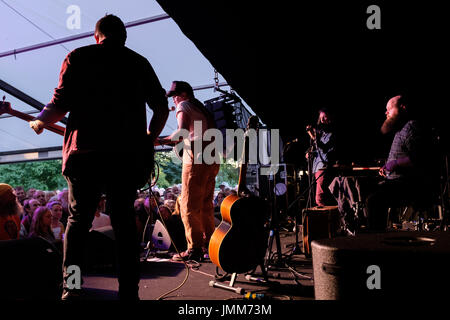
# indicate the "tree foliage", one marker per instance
pixel 170 171
pixel 42 175
pixel 46 175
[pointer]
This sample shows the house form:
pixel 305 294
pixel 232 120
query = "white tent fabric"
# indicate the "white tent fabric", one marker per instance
pixel 24 23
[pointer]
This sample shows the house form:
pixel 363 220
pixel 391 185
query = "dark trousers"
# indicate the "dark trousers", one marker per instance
pixel 393 194
pixel 84 195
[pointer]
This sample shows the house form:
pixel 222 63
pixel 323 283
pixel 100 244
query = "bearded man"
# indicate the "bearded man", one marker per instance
pixel 406 174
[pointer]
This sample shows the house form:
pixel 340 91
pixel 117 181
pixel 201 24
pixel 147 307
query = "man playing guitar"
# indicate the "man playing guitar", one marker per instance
pixel 103 149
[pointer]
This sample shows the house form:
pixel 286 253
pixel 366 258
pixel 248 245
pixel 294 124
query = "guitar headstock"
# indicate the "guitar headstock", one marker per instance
pixel 5 106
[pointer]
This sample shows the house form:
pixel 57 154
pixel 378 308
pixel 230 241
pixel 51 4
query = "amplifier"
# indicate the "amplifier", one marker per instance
pixel 252 179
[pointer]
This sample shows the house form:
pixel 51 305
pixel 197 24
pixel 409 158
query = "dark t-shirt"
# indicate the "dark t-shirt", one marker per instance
pixel 105 88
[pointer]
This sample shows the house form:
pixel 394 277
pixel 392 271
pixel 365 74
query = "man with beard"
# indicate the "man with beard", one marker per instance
pixel 405 172
pixel 324 154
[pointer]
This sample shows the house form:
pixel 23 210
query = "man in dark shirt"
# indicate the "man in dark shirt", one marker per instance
pixel 107 147
pixel 405 172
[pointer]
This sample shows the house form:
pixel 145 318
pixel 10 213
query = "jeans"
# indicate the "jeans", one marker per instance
pixel 84 196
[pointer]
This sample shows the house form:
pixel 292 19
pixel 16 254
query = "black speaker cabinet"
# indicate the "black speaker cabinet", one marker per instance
pixel 394 265
pixel 30 269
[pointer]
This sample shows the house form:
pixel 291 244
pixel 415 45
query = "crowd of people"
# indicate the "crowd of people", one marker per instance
pixel 44 213
pixel 38 214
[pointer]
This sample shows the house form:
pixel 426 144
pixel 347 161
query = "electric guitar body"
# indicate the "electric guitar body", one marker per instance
pixel 239 242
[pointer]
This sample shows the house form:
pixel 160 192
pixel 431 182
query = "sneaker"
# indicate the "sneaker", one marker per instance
pixel 190 254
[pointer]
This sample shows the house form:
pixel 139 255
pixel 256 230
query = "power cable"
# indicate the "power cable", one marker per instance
pixel 187 266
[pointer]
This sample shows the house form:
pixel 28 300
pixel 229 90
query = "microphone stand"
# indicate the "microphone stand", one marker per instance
pixel 312 182
pixel 297 249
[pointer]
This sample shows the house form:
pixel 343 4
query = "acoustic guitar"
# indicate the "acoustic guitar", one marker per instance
pixel 239 242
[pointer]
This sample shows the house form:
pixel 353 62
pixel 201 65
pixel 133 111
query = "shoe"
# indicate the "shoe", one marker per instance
pixel 72 294
pixel 189 254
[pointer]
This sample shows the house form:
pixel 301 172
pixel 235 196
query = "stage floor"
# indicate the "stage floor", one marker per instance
pixel 290 278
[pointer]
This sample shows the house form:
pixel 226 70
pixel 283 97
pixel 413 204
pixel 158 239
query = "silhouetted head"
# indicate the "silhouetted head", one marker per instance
pixel 112 28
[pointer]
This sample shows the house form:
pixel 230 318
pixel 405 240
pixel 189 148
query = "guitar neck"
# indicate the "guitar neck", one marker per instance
pixel 242 184
pixel 242 178
pixel 52 127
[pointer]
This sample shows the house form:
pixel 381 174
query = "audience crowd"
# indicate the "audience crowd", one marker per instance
pixel 44 214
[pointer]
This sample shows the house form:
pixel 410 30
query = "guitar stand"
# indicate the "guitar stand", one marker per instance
pixel 230 287
pixel 234 275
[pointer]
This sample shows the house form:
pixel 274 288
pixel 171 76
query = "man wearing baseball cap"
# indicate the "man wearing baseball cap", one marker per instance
pixel 198 178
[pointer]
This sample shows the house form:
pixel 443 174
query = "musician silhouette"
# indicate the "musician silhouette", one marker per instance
pixel 322 153
pixel 107 146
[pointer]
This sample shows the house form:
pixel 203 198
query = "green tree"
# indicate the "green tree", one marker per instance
pixel 170 171
pixel 46 175
pixel 229 172
pixel 43 175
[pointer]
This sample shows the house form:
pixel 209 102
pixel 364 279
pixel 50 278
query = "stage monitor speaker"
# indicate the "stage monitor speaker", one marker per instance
pixel 30 269
pixel 389 266
pixel 160 237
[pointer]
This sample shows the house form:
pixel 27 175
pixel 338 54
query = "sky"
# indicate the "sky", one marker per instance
pixel 24 23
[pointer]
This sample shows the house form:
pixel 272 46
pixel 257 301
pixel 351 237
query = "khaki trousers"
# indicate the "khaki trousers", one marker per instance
pixel 196 205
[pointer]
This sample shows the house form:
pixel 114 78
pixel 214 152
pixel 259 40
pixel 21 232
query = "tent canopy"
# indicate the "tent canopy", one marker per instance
pixel 35 72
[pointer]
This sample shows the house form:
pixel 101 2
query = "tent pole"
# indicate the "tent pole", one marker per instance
pixel 79 36
pixel 24 97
